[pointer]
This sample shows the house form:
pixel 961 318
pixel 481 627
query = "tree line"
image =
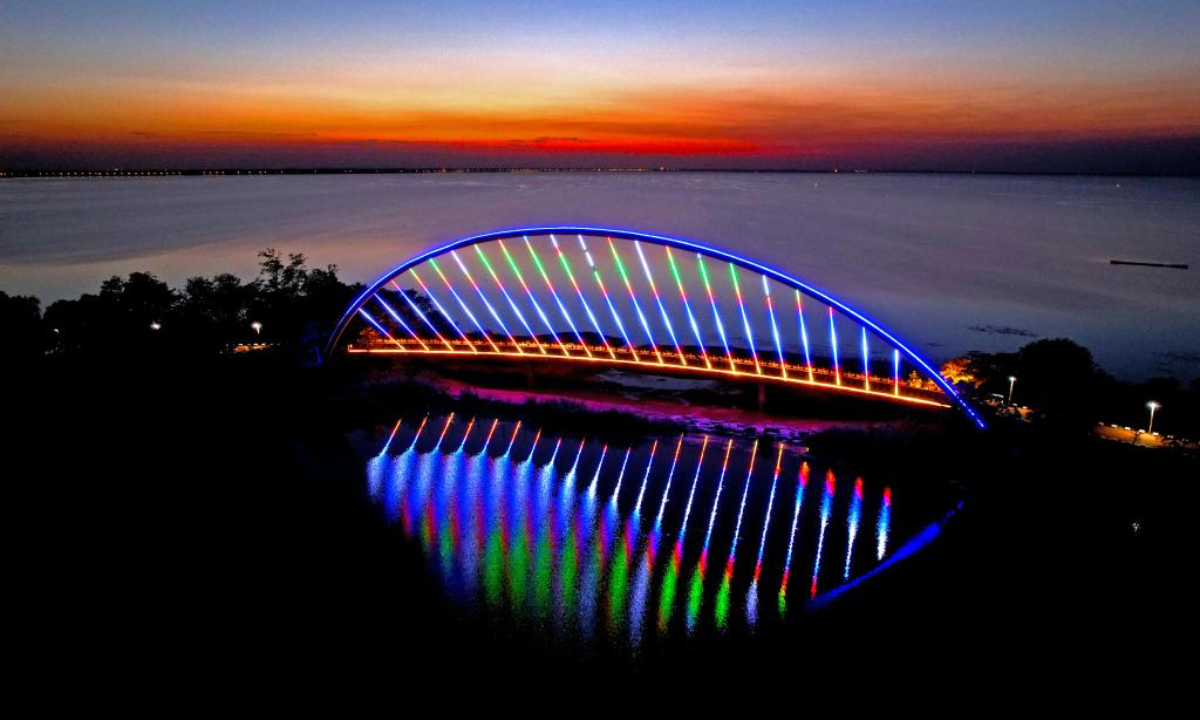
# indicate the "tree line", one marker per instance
pixel 1061 382
pixel 288 305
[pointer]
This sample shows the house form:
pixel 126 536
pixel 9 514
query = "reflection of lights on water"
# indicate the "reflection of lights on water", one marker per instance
pixel 722 609
pixel 801 484
pixel 696 587
pixel 517 535
pixel 826 510
pixel 591 491
pixel 881 529
pixel 852 524
pixel 666 604
pixel 752 595
pixel 637 509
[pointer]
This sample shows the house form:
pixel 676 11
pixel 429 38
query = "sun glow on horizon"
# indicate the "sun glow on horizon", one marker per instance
pixel 570 86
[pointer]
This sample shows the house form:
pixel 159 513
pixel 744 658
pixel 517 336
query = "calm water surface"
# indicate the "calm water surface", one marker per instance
pixel 951 263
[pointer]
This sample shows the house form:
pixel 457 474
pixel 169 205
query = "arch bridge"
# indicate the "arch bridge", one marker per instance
pixel 637 300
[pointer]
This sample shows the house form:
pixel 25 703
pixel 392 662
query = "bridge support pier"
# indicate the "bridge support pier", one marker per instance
pixel 762 397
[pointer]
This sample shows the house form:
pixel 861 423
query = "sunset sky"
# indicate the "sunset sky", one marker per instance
pixel 1010 85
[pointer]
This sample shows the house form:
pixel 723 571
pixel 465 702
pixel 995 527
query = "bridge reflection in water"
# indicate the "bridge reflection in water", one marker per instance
pixel 684 535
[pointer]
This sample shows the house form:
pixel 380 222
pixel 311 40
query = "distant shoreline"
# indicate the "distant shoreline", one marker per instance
pixel 246 172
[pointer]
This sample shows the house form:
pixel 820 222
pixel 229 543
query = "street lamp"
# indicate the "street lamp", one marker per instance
pixel 257 327
pixel 1153 406
pixel 1012 380
pixel 155 325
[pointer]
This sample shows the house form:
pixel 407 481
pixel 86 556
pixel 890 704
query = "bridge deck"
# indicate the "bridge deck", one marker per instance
pixel 647 360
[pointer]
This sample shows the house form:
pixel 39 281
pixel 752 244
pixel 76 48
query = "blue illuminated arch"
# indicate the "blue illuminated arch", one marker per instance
pixel 666 241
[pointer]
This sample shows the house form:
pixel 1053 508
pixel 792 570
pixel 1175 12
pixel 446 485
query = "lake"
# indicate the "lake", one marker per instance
pixel 951 263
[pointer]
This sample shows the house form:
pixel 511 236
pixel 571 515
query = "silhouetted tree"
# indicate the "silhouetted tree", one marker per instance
pixel 21 321
pixel 1059 379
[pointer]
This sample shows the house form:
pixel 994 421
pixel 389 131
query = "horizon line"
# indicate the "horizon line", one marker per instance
pixel 67 172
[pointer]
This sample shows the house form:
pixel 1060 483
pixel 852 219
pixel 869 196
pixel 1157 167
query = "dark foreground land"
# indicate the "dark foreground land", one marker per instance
pixel 202 525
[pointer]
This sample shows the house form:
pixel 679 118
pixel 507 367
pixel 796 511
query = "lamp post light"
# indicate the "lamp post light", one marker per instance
pixel 155 325
pixel 1012 380
pixel 257 327
pixel 1153 406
